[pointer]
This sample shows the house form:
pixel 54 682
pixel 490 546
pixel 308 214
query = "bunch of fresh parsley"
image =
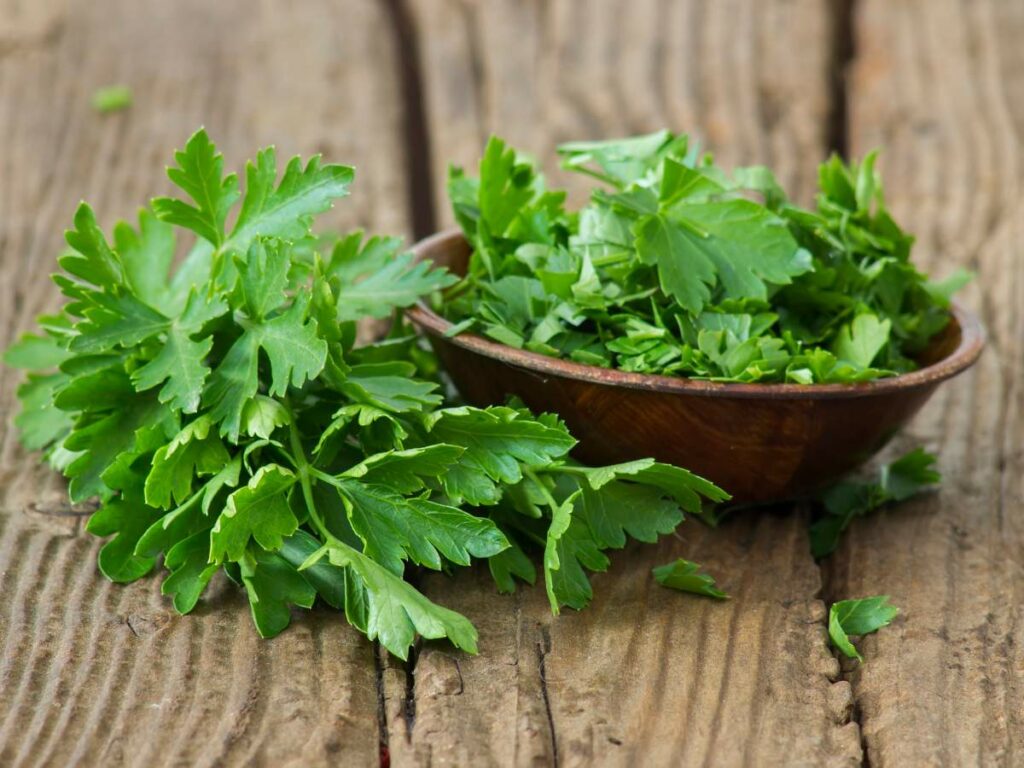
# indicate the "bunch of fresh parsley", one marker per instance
pixel 225 417
pixel 677 267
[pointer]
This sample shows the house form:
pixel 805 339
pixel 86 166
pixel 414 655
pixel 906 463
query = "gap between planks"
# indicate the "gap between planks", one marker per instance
pixel 425 221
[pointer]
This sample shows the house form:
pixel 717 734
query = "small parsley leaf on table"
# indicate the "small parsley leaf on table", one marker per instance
pixel 687 577
pixel 858 617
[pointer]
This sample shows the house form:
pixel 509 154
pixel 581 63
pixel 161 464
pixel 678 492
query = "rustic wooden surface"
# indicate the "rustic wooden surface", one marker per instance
pixel 97 674
pixel 92 673
pixel 941 86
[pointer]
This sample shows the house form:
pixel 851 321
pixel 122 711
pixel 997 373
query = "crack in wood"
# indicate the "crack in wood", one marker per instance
pixel 843 53
pixel 856 717
pixel 409 702
pixel 543 649
pixel 63 508
pixel 422 212
pixel 382 713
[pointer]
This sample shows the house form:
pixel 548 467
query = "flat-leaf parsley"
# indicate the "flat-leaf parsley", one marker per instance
pixel 226 419
pixel 679 267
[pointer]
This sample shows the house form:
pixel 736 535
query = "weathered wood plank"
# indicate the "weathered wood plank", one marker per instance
pixel 750 80
pixel 644 676
pixel 98 674
pixel 940 85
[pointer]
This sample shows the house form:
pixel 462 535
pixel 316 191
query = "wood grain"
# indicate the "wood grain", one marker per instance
pixel 643 676
pixel 941 86
pixel 93 673
pixel 750 80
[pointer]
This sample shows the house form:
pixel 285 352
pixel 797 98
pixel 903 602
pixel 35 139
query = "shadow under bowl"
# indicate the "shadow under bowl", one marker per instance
pixel 760 442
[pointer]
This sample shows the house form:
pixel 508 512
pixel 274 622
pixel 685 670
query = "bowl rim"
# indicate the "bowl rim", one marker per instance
pixel 972 341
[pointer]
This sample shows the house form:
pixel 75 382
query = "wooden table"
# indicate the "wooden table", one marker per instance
pixel 96 674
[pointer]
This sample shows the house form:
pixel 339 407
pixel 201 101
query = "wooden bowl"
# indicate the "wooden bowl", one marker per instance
pixel 760 442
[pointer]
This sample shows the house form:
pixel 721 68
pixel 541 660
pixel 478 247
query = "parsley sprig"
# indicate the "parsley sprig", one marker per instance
pixel 226 419
pixel 679 267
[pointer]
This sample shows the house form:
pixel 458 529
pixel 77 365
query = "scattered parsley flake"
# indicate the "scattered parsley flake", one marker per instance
pixel 687 577
pixel 112 98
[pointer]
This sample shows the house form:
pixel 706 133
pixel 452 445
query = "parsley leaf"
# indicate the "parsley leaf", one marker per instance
pixel 396 612
pixel 858 617
pixel 112 98
pixel 375 278
pixel 905 477
pixel 259 511
pixel 273 584
pixel 686 577
pixel 498 441
pixel 199 174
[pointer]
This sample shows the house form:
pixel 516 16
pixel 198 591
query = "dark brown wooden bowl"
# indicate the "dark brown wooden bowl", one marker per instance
pixel 760 442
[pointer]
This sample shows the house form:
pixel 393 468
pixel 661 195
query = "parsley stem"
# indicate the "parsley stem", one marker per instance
pixel 320 475
pixel 568 469
pixel 544 491
pixel 303 469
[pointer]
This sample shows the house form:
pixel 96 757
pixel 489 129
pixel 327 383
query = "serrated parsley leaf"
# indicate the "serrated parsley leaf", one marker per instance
pixel 394 527
pixel 373 279
pixel 508 187
pixel 564 551
pixel 735 244
pixel 406 470
pixel 860 340
pixel 190 571
pixel 397 611
pixel 100 441
pixel 195 451
pixel 92 259
pixel 286 211
pixel 273 585
pixel 390 387
pixel 262 415
pixel 180 365
pixel 328 580
pixel 497 442
pixel 858 617
pixel 618 509
pixel 200 174
pixel 126 518
pixel 259 511
pixel 288 339
pixel 684 486
pixel 622 160
pixel 590 521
